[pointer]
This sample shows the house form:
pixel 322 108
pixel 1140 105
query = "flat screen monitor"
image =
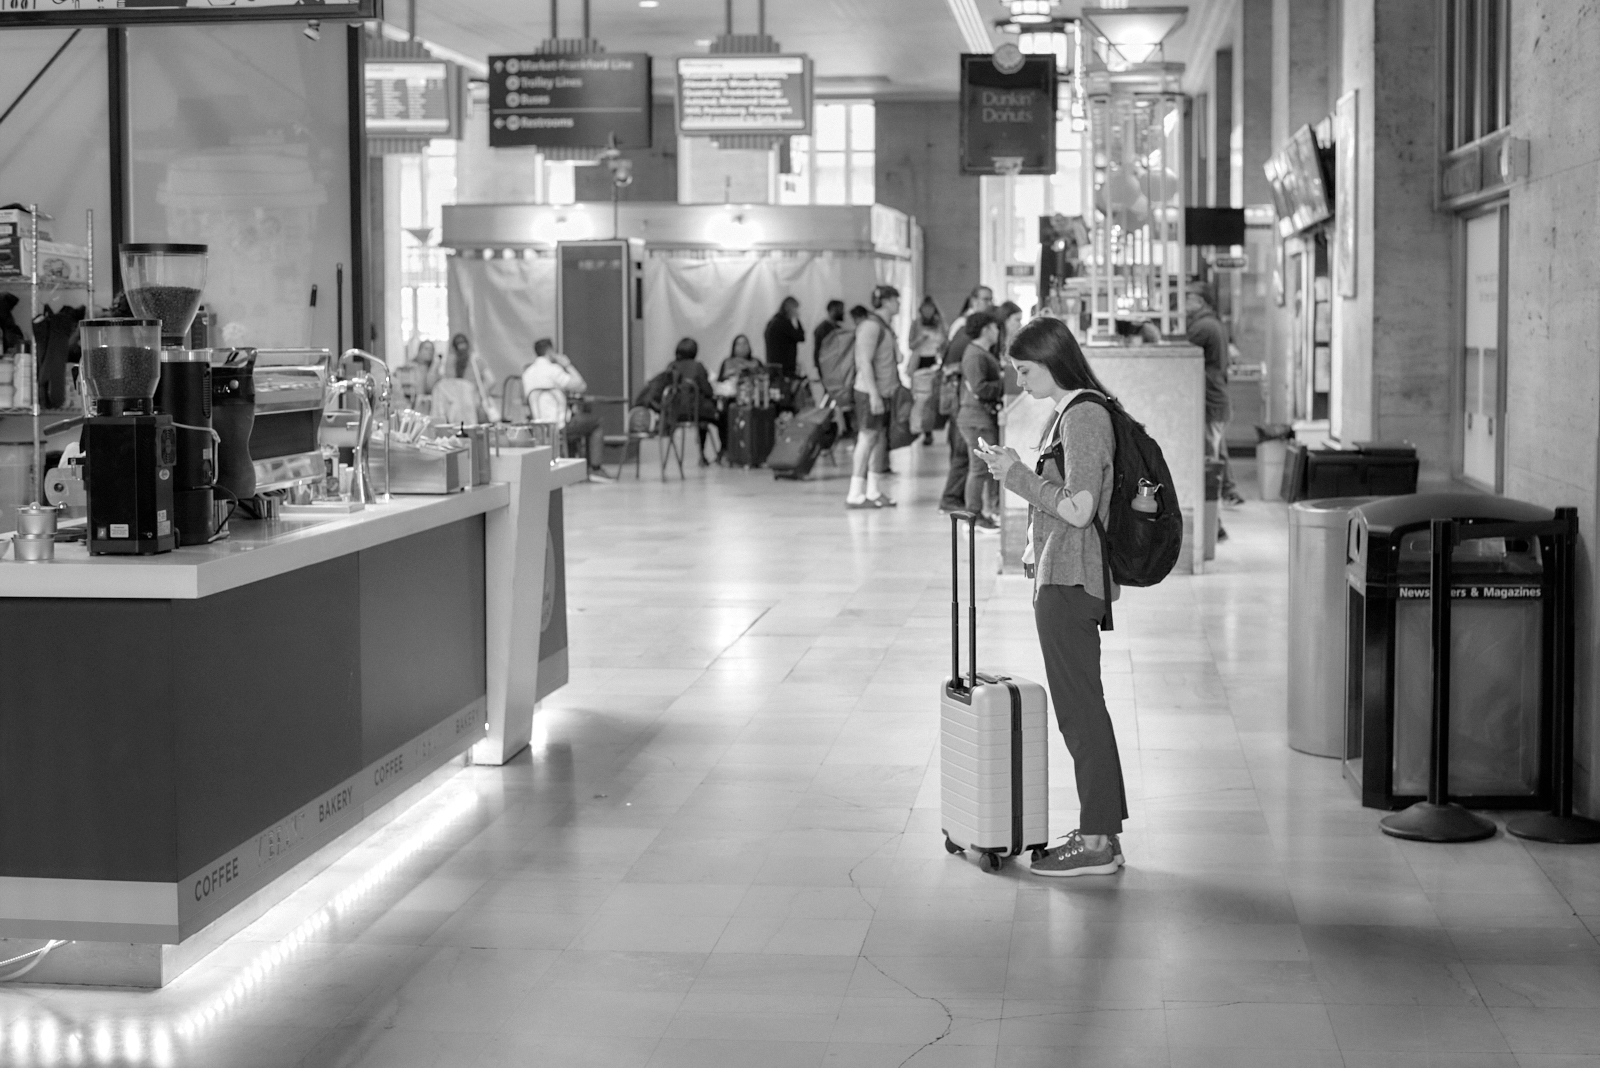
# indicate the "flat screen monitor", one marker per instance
pixel 1312 202
pixel 1213 226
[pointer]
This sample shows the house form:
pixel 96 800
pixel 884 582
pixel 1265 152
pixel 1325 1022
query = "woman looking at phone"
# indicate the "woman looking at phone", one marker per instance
pixel 1066 493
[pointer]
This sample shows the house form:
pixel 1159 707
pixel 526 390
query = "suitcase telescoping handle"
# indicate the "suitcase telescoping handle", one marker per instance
pixel 971 519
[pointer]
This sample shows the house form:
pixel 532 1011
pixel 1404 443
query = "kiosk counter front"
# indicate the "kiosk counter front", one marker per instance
pixel 179 732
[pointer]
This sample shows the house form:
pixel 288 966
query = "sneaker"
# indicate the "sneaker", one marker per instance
pixel 1232 499
pixel 865 502
pixel 1222 535
pixel 598 475
pixel 1116 850
pixel 986 525
pixel 882 501
pixel 1072 858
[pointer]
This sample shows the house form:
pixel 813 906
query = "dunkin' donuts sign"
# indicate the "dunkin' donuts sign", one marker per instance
pixel 1008 118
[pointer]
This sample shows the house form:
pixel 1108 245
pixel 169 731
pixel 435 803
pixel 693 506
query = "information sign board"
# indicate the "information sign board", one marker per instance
pixel 408 97
pixel 135 12
pixel 1008 121
pixel 569 101
pixel 744 94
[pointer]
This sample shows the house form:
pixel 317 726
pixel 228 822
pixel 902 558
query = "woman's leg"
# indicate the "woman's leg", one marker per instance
pixel 1068 619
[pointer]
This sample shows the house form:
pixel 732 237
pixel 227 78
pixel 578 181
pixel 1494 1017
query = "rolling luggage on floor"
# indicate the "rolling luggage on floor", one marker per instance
pixel 750 434
pixel 995 793
pixel 800 441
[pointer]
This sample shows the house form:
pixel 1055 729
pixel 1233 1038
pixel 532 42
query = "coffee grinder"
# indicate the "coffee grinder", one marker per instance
pixel 163 282
pixel 129 450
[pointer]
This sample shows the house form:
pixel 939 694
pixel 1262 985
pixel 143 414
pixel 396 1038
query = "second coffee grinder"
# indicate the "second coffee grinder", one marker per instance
pixel 164 281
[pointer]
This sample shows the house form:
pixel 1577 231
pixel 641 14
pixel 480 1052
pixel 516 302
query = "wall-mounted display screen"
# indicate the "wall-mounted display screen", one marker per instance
pixel 409 97
pixel 757 94
pixel 1300 183
pixel 137 12
pixel 1213 226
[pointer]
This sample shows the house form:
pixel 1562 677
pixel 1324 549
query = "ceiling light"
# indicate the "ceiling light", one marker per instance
pixel 1135 32
pixel 649 3
pixel 1031 11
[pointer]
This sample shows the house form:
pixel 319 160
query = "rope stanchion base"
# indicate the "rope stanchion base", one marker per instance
pixel 1557 830
pixel 1427 822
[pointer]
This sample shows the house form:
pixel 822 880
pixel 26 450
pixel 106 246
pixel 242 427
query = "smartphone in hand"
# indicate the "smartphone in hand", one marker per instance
pixel 984 446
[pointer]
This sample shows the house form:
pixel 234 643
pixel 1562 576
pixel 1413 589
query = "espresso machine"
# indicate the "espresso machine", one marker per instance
pixel 130 450
pixel 164 282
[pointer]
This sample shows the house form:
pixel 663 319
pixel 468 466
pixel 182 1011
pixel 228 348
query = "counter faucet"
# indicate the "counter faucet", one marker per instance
pixel 362 387
pixel 388 424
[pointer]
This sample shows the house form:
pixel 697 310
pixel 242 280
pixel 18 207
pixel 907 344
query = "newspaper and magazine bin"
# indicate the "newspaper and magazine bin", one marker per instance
pixel 1504 664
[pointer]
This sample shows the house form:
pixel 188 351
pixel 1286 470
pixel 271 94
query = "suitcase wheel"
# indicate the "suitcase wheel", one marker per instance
pixel 1037 853
pixel 951 847
pixel 991 862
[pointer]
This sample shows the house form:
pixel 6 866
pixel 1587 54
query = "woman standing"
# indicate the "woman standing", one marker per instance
pixel 921 368
pixel 1066 494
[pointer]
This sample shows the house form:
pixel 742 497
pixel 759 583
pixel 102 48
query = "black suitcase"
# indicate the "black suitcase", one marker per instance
pixel 800 441
pixel 750 434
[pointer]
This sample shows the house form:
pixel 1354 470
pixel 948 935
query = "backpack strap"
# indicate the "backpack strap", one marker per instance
pixel 1092 397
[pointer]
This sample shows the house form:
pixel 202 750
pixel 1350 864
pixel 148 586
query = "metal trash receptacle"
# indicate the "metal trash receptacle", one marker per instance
pixel 1318 634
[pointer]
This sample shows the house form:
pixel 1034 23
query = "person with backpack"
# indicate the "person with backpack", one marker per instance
pixel 1069 500
pixel 877 377
pixel 692 400
pixel 978 412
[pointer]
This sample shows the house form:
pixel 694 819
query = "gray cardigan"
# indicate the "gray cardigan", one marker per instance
pixel 1065 555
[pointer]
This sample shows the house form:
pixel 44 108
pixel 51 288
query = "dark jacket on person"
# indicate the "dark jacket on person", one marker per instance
pixel 690 373
pixel 783 338
pixel 982 386
pixel 1207 332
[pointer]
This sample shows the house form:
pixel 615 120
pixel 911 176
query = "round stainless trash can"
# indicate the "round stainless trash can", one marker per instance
pixel 1317 628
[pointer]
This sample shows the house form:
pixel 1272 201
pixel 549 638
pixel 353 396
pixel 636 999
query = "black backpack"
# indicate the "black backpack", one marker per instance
pixel 1137 548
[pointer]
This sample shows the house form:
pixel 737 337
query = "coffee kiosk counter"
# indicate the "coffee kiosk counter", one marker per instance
pixel 254 551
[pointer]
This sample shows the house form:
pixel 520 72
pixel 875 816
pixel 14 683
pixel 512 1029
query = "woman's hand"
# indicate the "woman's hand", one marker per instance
pixel 1000 460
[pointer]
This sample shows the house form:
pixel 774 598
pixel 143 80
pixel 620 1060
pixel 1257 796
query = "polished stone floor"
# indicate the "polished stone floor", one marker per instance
pixel 725 850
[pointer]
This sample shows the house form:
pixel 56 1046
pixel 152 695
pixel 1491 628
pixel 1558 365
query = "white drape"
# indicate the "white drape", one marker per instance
pixel 715 299
pixel 503 306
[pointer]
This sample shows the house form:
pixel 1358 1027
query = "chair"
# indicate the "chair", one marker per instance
pixel 680 413
pixel 628 441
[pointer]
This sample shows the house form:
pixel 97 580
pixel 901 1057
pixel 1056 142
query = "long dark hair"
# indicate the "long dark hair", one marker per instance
pixel 733 349
pixel 972 298
pixel 1049 342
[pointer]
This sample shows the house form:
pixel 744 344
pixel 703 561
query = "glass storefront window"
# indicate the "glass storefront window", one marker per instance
pixel 835 165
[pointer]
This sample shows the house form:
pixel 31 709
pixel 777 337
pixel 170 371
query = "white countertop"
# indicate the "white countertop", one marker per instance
pixel 254 551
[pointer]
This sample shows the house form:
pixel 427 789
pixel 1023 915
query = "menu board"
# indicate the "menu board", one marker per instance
pixel 752 94
pixel 134 12
pixel 407 97
pixel 569 101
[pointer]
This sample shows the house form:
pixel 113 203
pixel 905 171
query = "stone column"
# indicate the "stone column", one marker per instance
pixel 1393 364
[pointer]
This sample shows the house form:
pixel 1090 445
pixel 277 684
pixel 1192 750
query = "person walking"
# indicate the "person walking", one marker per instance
pixel 783 337
pixel 877 377
pixel 982 389
pixel 1207 331
pixel 1068 492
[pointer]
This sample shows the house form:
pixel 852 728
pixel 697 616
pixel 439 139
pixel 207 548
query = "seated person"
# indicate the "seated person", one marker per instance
pixel 693 399
pixel 416 379
pixel 546 382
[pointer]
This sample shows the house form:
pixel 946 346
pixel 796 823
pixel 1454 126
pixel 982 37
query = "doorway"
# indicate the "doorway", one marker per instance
pixel 1483 354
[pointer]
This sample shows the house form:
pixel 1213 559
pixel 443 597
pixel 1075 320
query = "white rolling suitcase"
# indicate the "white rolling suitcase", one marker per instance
pixel 996 778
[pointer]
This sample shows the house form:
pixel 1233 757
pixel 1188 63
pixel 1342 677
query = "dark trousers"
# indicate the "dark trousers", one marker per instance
pixel 955 486
pixel 983 492
pixel 1068 619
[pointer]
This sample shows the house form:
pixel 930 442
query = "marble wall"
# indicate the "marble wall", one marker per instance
pixel 1552 448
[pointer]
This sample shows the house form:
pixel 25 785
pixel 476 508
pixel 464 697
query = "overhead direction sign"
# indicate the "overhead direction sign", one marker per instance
pixel 744 94
pixel 569 101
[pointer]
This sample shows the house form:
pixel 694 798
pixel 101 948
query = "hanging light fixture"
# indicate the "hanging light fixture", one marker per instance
pixel 1031 12
pixel 1136 33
